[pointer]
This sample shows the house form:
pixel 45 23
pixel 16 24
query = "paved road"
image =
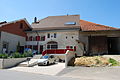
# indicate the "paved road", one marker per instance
pixel 47 70
pixel 92 73
pixel 17 75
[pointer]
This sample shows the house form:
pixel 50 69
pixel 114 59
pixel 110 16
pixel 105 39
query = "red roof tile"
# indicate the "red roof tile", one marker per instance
pixel 89 26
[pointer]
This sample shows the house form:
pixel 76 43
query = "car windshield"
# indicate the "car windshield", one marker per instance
pixel 44 57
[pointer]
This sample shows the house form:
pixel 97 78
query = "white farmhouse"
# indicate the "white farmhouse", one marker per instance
pixel 56 34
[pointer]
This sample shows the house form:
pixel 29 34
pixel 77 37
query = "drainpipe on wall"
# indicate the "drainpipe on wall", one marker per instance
pixel 38 42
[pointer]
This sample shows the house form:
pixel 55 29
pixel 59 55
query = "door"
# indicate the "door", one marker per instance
pixel 5 47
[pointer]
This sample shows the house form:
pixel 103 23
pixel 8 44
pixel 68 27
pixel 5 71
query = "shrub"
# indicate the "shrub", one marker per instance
pixel 16 55
pixel 113 62
pixel 3 55
pixel 27 54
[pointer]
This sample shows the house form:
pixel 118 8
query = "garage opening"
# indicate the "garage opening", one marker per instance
pixel 113 45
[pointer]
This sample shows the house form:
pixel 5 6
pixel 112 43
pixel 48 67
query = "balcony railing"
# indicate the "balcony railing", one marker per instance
pixel 56 51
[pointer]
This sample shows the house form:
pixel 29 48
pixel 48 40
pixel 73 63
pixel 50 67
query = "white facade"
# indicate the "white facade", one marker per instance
pixel 11 40
pixel 63 38
pixel 65 28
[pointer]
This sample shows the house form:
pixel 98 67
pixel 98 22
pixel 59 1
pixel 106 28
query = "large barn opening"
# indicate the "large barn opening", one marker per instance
pixel 113 45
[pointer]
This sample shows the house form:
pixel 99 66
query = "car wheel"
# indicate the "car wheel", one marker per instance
pixel 47 63
pixel 39 65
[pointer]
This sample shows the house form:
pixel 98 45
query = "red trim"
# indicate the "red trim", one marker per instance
pixel 56 51
pixel 67 47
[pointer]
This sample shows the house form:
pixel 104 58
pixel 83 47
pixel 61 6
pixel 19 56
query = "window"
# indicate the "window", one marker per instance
pixel 48 35
pixel 26 38
pixel 35 47
pixel 74 48
pixel 34 38
pixel 30 38
pixel 54 35
pixel 71 47
pixel 48 46
pixel 21 25
pixel 52 45
pixel 42 38
pixel 66 37
pixel 70 23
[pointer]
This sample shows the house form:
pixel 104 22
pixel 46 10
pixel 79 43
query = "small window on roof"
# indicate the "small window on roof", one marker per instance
pixel 70 23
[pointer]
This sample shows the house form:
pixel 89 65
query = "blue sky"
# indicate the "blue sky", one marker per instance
pixel 106 12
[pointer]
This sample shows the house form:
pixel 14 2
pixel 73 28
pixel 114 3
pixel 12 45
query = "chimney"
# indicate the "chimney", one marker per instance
pixel 35 20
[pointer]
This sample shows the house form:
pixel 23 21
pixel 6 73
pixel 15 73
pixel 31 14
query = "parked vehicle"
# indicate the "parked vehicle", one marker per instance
pixel 46 60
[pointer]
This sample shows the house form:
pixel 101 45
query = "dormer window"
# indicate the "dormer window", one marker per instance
pixel 70 23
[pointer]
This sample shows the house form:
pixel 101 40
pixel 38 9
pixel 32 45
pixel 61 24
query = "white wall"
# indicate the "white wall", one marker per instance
pixel 68 56
pixel 61 39
pixel 12 40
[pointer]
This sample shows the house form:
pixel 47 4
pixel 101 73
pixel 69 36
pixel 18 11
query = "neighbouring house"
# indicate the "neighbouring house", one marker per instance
pixel 99 39
pixel 12 35
pixel 56 34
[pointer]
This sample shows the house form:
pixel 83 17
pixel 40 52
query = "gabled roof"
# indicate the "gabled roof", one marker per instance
pixel 57 22
pixel 24 19
pixel 16 27
pixel 89 26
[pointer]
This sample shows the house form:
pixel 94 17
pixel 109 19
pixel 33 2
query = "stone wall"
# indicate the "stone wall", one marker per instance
pixel 7 63
pixel 12 41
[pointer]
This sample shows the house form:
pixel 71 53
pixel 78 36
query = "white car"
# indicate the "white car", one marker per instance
pixel 46 60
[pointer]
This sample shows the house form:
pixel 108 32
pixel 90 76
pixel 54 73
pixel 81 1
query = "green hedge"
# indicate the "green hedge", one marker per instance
pixel 17 55
pixel 3 55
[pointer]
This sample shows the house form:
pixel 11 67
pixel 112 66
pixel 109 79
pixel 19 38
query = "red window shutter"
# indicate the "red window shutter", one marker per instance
pixel 74 48
pixel 67 47
pixel 38 38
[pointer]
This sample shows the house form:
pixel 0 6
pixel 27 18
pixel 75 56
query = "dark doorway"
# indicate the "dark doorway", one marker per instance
pixel 113 45
pixel 41 49
pixel 21 49
pixel 97 45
